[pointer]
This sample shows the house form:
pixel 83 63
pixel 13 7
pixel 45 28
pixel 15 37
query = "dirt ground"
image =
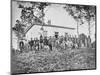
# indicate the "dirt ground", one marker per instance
pixel 56 60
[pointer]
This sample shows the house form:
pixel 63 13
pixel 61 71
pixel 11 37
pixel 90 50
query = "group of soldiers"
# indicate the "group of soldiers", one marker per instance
pixel 63 42
pixel 35 44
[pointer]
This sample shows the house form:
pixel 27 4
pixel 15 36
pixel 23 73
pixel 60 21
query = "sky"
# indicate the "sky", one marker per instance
pixel 58 16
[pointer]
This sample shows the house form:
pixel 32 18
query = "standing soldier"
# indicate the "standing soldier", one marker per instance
pixel 45 42
pixel 31 43
pixel 37 43
pixel 66 36
pixel 41 41
pixel 86 41
pixel 21 46
pixel 89 41
pixel 50 43
pixel 78 42
pixel 76 45
pixel 56 35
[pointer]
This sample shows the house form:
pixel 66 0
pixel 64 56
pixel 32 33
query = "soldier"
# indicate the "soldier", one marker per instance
pixel 45 41
pixel 66 37
pixel 56 35
pixel 89 41
pixel 41 41
pixel 37 44
pixel 31 43
pixel 21 46
pixel 86 42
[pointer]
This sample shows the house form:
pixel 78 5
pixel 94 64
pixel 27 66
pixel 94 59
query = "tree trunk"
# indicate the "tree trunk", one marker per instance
pixel 89 28
pixel 18 42
pixel 89 40
pixel 78 33
pixel 77 29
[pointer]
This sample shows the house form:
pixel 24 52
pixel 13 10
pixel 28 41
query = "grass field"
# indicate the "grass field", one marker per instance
pixel 56 60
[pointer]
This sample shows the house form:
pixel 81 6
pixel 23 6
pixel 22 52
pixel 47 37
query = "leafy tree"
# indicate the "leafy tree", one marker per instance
pixel 75 12
pixel 28 17
pixel 28 14
pixel 19 30
pixel 82 14
pixel 90 15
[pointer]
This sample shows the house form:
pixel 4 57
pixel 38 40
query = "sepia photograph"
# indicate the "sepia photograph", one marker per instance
pixel 52 37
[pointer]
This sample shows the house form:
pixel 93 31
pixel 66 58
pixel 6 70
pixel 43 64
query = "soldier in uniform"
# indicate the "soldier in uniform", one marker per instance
pixel 21 46
pixel 41 41
pixel 37 44
pixel 89 41
pixel 45 41
pixel 50 43
pixel 31 43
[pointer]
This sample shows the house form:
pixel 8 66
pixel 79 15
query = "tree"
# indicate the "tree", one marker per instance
pixel 19 30
pixel 82 13
pixel 28 17
pixel 75 12
pixel 90 15
pixel 34 12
